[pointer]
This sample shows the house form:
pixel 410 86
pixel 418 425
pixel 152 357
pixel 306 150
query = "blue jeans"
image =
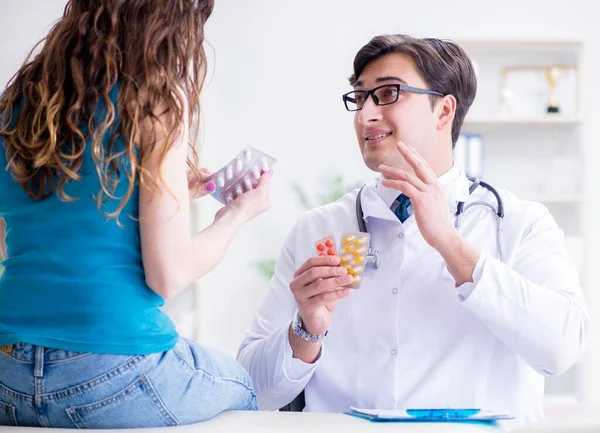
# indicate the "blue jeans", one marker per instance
pixel 41 387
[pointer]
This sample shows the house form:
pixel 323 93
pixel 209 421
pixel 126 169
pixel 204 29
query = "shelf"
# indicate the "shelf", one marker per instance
pixel 520 43
pixel 488 47
pixel 533 120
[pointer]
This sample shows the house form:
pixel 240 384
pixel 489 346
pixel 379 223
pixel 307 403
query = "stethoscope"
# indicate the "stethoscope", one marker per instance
pixel 373 258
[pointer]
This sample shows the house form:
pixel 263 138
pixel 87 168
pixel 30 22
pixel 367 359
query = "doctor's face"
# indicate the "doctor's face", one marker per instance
pixel 411 119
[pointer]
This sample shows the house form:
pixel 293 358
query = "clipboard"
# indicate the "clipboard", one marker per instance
pixel 430 415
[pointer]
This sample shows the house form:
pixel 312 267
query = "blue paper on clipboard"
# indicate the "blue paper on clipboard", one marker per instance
pixel 430 415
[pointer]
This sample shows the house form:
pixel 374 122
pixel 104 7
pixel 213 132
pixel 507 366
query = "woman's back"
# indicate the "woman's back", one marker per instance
pixel 94 141
pixel 76 271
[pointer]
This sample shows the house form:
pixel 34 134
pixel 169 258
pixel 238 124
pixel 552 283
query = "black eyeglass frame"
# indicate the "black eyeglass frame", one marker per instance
pixel 346 97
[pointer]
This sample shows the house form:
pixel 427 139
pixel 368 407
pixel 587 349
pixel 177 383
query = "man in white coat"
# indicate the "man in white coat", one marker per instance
pixel 453 317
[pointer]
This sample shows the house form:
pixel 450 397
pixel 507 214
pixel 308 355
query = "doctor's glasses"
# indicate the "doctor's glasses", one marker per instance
pixel 382 95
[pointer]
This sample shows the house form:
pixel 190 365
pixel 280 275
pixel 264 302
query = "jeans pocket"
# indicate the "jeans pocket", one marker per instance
pixel 8 415
pixel 137 406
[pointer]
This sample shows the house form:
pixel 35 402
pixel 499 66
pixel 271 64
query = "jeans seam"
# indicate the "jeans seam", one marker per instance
pixel 210 376
pixel 143 383
pixel 194 369
pixel 12 358
pixel 180 358
pixel 159 403
pixel 14 394
pixel 74 417
pixel 131 363
pixel 11 413
pixel 58 361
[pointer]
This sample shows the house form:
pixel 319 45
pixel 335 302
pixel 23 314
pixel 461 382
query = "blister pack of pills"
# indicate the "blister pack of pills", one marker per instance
pixel 353 251
pixel 240 175
pixel 326 246
pixel 354 248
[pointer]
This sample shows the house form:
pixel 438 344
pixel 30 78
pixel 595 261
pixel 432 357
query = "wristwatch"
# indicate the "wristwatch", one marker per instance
pixel 298 329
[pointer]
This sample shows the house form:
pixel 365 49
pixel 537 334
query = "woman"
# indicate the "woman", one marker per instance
pixel 94 135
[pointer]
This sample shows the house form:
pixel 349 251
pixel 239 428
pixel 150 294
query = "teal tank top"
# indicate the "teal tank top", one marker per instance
pixel 73 279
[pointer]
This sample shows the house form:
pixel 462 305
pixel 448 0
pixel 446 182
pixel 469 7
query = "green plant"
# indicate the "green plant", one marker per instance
pixel 335 189
pixel 266 268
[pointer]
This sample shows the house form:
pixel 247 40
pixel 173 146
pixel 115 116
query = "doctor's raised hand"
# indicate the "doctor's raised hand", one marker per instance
pixel 434 219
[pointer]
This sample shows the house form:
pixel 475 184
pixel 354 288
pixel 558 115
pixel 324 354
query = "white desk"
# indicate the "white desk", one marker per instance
pixel 281 422
pixel 582 420
pixel 577 420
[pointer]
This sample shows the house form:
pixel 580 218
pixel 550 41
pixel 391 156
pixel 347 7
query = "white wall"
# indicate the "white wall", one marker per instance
pixel 22 24
pixel 279 70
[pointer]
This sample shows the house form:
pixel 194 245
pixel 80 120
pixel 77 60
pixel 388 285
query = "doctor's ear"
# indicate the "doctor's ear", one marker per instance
pixel 446 108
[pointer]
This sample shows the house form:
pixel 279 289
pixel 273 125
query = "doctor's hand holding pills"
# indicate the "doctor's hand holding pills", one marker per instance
pixel 318 286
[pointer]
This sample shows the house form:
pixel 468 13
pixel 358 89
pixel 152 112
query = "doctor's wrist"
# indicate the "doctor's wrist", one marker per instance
pixel 310 332
pixel 302 348
pixel 461 258
pixel 449 244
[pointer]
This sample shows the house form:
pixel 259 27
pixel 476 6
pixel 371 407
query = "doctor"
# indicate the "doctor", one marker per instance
pixel 443 322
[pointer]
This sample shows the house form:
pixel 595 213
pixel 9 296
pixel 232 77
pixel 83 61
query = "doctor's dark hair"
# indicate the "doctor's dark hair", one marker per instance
pixel 444 66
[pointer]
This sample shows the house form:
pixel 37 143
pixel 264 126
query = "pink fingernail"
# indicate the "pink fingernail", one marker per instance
pixel 211 187
pixel 271 173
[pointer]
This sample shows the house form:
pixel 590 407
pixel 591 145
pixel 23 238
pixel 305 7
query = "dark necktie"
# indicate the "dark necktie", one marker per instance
pixel 402 210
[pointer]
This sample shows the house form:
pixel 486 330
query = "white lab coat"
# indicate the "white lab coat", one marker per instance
pixel 408 338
